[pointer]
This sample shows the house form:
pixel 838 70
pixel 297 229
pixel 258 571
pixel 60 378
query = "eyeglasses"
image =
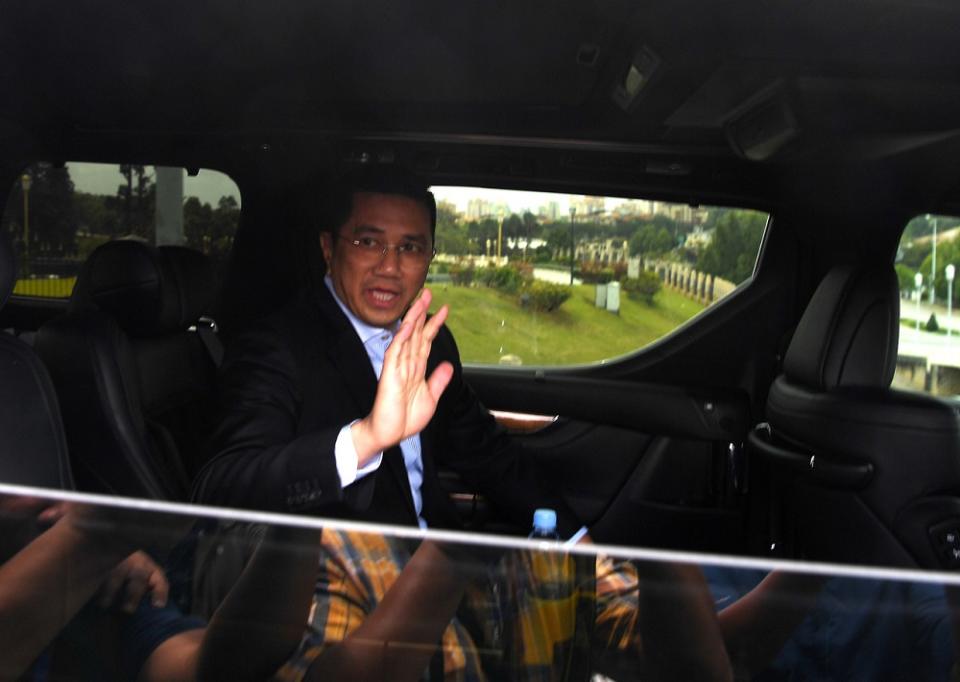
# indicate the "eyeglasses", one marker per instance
pixel 409 252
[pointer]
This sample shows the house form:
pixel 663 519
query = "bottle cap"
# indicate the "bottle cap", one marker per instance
pixel 545 519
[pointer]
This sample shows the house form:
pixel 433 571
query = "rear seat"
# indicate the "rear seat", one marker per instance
pixel 33 449
pixel 134 363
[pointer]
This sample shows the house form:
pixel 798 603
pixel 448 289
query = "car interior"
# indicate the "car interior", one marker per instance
pixel 765 426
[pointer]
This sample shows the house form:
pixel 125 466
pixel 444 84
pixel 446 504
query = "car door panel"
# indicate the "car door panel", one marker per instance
pixel 652 461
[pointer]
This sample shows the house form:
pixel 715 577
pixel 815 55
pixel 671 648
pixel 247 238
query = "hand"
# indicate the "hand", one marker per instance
pixel 405 400
pixel 131 580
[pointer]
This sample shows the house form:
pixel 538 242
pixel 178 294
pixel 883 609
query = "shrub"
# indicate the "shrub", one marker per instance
pixel 544 296
pixel 462 275
pixel 932 325
pixel 643 288
pixel 507 278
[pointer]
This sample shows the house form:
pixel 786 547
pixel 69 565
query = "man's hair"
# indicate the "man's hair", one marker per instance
pixel 376 179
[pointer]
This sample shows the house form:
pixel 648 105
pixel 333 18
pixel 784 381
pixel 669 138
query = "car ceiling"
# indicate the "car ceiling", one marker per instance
pixel 745 98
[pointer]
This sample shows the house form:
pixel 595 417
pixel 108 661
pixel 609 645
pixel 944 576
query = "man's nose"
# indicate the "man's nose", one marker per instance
pixel 389 260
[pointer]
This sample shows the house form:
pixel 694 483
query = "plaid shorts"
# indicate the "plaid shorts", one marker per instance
pixel 534 616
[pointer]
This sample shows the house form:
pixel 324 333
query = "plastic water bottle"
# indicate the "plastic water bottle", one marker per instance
pixel 545 525
pixel 549 564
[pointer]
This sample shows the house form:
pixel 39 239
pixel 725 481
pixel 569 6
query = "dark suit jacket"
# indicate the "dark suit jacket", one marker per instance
pixel 291 382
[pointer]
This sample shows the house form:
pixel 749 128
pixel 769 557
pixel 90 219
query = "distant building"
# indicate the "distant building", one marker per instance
pixel 586 206
pixel 638 208
pixel 550 211
pixel 477 209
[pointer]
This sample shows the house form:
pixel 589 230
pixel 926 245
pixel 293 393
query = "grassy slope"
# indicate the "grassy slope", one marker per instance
pixel 488 324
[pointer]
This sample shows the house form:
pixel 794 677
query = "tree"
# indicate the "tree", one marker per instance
pixel 650 240
pixel 51 220
pixel 732 252
pixel 558 238
pixel 96 214
pixel 947 252
pixel 452 236
pixel 512 230
pixel 531 228
pixel 905 276
pixel 137 197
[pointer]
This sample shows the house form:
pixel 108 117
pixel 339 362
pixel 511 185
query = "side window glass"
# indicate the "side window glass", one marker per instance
pixel 927 261
pixel 57 215
pixel 546 279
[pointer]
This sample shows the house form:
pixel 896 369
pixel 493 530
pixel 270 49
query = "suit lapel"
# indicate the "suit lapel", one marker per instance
pixel 346 353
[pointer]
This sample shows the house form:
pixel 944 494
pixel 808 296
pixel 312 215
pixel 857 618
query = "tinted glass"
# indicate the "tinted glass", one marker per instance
pixel 56 216
pixel 520 295
pixel 929 351
pixel 94 591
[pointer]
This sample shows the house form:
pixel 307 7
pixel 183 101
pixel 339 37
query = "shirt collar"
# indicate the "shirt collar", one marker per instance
pixel 363 330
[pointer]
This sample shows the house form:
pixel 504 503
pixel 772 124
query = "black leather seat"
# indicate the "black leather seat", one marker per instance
pixel 861 473
pixel 133 368
pixel 33 450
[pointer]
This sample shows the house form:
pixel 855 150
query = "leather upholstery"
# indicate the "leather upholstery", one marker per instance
pixel 833 404
pixel 148 291
pixel 849 332
pixel 33 450
pixel 135 381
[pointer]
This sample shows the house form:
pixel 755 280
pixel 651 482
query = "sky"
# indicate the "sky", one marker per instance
pixel 102 178
pixel 209 186
pixel 518 201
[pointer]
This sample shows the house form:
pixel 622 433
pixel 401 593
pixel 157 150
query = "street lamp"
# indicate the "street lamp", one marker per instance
pixel 25 182
pixel 918 283
pixel 500 239
pixel 933 262
pixel 573 215
pixel 950 271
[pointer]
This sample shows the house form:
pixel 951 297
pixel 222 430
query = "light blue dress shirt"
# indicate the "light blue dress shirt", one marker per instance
pixel 375 341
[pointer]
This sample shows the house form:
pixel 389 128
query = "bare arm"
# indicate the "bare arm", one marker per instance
pixel 262 619
pixel 44 585
pixel 681 637
pixel 757 625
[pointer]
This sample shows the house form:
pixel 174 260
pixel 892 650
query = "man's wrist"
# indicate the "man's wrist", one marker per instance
pixel 364 442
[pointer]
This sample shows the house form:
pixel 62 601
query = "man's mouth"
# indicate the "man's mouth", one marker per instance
pixel 382 297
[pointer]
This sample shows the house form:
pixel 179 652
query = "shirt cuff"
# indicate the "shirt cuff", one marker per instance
pixel 575 538
pixel 346 456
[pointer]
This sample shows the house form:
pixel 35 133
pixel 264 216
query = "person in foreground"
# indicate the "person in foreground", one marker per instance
pixel 78 600
pixel 347 402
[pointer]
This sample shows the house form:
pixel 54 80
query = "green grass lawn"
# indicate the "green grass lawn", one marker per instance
pixel 488 325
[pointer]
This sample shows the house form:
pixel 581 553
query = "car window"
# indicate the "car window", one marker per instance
pixel 926 263
pixel 56 215
pixel 311 582
pixel 638 269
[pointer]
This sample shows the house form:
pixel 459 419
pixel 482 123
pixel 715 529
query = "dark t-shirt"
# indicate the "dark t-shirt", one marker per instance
pixel 82 651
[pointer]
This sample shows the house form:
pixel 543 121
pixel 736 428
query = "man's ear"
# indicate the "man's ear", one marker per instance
pixel 326 246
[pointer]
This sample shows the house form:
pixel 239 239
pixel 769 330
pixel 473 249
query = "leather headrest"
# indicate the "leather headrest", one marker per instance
pixel 849 332
pixel 8 271
pixel 149 291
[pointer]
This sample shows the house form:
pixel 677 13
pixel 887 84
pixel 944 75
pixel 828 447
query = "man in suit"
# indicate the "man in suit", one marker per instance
pixel 347 402
pixel 326 406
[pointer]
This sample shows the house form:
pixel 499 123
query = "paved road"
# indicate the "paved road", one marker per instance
pixel 909 311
